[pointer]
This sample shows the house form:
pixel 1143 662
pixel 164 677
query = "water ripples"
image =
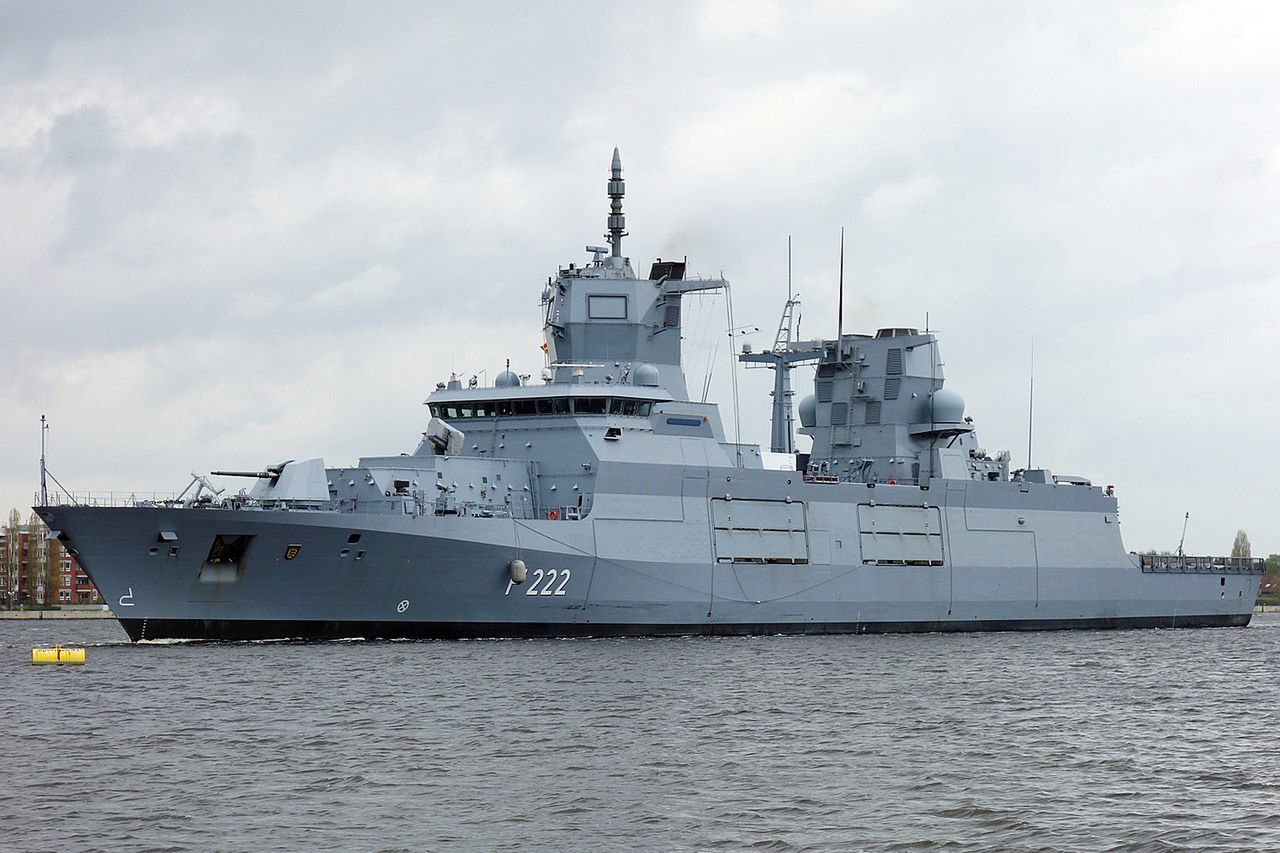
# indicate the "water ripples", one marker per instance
pixel 1147 740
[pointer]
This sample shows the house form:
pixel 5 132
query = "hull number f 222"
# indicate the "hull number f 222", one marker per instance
pixel 548 582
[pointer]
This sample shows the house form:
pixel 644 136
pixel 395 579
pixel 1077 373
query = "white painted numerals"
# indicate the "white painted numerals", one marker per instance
pixel 546 582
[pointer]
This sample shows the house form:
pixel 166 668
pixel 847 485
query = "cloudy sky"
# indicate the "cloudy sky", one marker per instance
pixel 233 234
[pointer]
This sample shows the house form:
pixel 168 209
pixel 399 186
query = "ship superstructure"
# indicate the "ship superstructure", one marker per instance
pixel 601 500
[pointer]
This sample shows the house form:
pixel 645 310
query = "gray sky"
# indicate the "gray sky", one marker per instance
pixel 235 234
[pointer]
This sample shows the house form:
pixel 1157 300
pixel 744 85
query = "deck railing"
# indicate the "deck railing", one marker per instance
pixel 1202 565
pixel 107 498
pixel 412 504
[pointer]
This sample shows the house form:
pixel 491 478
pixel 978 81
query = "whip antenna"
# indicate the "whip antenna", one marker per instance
pixel 1031 402
pixel 44 489
pixel 840 310
pixel 788 267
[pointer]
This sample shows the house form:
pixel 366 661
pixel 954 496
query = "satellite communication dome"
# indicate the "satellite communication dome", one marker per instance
pixel 506 379
pixel 644 374
pixel 809 411
pixel 948 407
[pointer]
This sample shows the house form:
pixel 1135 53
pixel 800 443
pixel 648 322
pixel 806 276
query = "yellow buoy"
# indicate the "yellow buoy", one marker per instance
pixel 56 655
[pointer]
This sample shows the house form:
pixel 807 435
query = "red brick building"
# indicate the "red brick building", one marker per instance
pixel 29 562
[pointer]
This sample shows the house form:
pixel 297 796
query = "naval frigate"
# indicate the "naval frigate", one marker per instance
pixel 600 499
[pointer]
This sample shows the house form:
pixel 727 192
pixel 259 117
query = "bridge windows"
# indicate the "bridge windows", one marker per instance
pixel 542 407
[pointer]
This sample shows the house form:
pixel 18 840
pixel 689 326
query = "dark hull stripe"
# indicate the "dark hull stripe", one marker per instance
pixel 264 629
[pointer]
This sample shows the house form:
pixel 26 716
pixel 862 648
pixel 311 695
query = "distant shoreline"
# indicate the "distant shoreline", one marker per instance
pixel 56 614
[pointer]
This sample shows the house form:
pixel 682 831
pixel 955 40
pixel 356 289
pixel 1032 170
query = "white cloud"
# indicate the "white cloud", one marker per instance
pixel 896 198
pixel 369 287
pixel 738 18
pixel 190 193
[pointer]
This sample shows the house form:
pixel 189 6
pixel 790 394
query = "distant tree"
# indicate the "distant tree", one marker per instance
pixel 44 560
pixel 1241 547
pixel 11 557
pixel 1270 585
pixel 38 590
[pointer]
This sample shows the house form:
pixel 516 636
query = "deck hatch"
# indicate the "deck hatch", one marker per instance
pixel 751 531
pixel 900 535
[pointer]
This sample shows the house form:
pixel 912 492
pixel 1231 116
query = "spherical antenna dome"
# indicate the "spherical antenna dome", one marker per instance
pixel 506 379
pixel 809 412
pixel 948 407
pixel 644 374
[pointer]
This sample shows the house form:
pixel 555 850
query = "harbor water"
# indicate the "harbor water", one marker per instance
pixel 1152 739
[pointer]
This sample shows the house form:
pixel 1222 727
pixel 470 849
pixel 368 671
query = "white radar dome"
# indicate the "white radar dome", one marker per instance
pixel 644 374
pixel 948 407
pixel 809 412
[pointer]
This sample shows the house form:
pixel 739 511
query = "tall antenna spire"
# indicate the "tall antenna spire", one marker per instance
pixel 617 222
pixel 44 489
pixel 1031 402
pixel 840 312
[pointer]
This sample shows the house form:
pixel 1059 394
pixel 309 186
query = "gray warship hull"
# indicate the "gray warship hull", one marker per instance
pixel 447 577
pixel 605 501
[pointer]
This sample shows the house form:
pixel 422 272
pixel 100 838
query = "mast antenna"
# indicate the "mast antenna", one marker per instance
pixel 44 489
pixel 933 389
pixel 1031 402
pixel 1183 540
pixel 840 310
pixel 617 222
pixel 780 359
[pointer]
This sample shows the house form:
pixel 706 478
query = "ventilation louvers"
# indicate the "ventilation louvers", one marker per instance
pixel 893 364
pixel 873 411
pixel 671 318
pixel 839 414
pixel 822 388
pixel 892 386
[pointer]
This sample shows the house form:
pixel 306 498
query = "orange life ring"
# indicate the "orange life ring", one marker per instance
pixel 553 514
pixel 892 482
